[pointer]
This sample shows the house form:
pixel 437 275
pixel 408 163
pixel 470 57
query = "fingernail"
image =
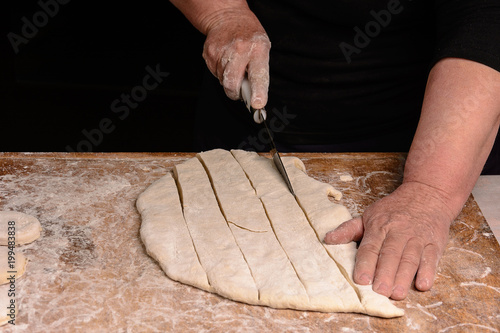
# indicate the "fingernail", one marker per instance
pixel 328 237
pixel 422 284
pixel 257 102
pixel 398 292
pixel 382 289
pixel 365 279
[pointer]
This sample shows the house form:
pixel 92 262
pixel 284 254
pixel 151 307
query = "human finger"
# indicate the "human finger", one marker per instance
pixel 367 257
pixel 351 230
pixel 233 75
pixel 428 266
pixel 259 83
pixel 388 263
pixel 408 266
pixel 258 72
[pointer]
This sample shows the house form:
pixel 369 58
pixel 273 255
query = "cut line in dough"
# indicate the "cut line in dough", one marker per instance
pixel 239 226
pixel 324 216
pixel 212 238
pixel 166 236
pixel 277 281
pixel 324 283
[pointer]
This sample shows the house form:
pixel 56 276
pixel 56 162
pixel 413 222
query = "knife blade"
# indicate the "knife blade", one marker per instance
pixel 259 116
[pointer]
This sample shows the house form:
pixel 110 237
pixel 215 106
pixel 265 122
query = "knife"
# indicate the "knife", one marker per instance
pixel 259 116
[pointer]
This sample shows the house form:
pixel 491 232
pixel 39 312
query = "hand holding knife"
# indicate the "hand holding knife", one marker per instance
pixel 259 116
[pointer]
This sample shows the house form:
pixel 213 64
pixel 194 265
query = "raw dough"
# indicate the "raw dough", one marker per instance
pixel 236 230
pixel 27 230
pixel 19 265
pixel 346 178
pixel 279 286
pixel 328 290
pixel 219 255
pixel 166 236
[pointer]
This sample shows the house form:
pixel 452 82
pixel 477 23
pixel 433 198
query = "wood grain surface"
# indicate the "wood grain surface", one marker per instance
pixel 89 271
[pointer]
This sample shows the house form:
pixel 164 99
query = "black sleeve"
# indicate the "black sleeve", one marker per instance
pixel 468 29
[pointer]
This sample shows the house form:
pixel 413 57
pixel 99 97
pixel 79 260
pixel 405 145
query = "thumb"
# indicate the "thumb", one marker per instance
pixel 351 230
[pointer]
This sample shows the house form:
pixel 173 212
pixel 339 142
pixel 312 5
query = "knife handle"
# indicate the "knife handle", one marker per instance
pixel 246 93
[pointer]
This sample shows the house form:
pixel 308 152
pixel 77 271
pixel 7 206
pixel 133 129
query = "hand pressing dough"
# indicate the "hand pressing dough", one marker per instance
pixel 27 227
pixel 229 225
pixel 19 265
pixel 325 216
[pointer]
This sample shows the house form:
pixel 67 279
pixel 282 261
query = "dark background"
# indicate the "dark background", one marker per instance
pixel 65 78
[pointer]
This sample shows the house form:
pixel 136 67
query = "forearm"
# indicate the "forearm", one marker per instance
pixel 457 128
pixel 202 13
pixel 236 45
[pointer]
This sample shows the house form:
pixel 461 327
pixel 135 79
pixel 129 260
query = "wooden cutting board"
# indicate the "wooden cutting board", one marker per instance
pixel 89 271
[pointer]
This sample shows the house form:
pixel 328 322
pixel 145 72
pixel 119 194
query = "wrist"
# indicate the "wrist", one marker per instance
pixel 205 14
pixel 211 20
pixel 432 196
